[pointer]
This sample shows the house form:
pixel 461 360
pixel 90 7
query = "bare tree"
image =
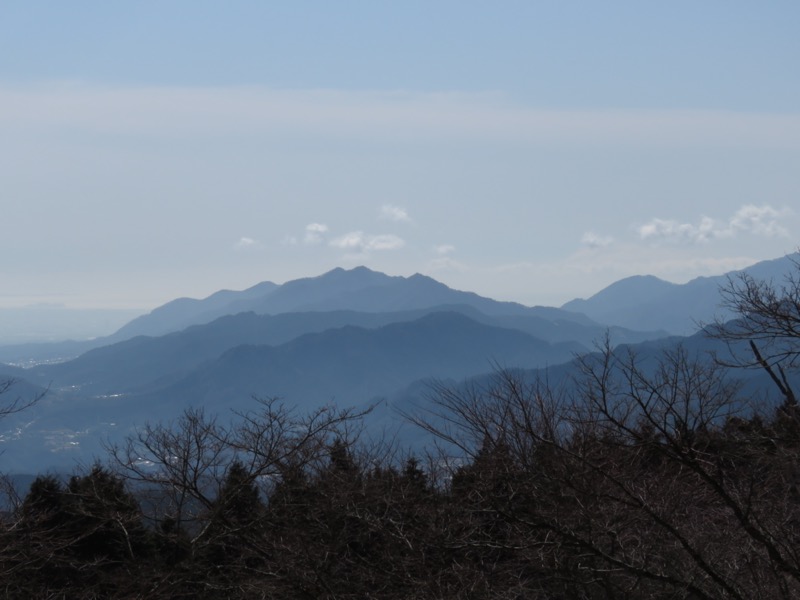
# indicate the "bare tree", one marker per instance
pixel 273 439
pixel 202 483
pixel 176 466
pixel 645 479
pixel 15 405
pixel 8 491
pixel 768 321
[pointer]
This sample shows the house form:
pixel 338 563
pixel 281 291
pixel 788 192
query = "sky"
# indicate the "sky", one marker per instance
pixel 534 151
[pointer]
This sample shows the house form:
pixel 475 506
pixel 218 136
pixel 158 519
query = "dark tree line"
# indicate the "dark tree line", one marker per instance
pixel 644 479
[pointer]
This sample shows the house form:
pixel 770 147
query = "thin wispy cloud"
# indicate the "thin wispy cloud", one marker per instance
pixel 246 242
pixel 446 263
pixel 593 240
pixel 315 233
pixel 761 220
pixel 394 213
pixel 349 241
pixel 358 241
pixel 384 242
pixel 757 220
pixel 169 111
pixel 444 260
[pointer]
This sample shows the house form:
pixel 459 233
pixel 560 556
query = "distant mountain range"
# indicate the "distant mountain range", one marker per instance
pixel 354 337
pixel 359 289
pixel 356 290
pixel 647 302
pixel 144 361
pixel 107 391
pixel 353 365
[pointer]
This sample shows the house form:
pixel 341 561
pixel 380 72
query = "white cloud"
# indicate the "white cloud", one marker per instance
pixel 761 220
pixel 315 233
pixel 246 242
pixel 593 240
pixel 360 242
pixel 317 227
pixel 349 241
pixel 394 213
pixel 444 249
pixel 384 242
pixel 669 229
pixel 758 220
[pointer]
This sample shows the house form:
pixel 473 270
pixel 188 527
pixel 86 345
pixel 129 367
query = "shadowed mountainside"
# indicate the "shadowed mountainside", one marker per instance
pixel 144 362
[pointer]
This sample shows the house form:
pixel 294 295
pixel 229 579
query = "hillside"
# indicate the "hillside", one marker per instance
pixel 360 336
pixel 646 302
pixel 359 289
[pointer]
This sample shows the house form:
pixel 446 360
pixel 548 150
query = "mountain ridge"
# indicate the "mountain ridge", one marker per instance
pixel 677 308
pixel 309 358
pixel 358 289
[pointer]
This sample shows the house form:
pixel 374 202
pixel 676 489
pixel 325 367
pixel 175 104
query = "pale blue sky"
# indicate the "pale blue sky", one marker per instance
pixel 532 151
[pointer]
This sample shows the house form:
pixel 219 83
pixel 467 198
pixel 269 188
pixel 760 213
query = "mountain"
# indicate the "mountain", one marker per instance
pixel 172 316
pixel 348 365
pixel 359 289
pixel 351 365
pixel 145 362
pixel 348 336
pixel 646 302
pixel 145 365
pixel 16 389
pixel 364 290
pixel 183 312
pixel 337 291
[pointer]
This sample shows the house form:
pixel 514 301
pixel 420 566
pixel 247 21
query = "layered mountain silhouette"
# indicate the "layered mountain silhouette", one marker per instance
pixel 144 362
pixel 352 337
pixel 107 392
pixel 647 302
pixel 183 312
pixel 353 365
pixel 357 362
pixel 359 289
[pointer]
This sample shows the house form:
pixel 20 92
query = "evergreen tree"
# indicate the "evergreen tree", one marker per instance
pixel 232 542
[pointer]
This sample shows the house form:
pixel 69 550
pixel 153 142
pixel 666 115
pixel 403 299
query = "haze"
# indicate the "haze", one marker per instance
pixel 526 151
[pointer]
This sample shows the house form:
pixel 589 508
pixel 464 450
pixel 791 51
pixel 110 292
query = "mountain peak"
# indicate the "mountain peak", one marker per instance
pixel 359 271
pixel 356 277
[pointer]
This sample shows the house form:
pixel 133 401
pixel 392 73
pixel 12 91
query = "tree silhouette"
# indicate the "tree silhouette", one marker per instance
pixel 81 535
